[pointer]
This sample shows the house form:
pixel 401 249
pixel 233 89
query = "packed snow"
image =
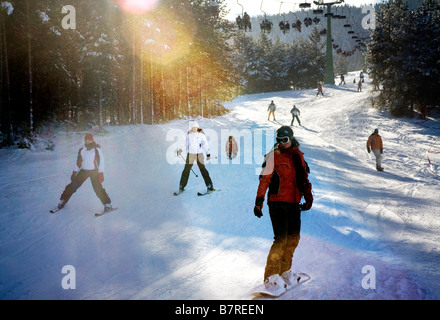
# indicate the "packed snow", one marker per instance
pixel 369 234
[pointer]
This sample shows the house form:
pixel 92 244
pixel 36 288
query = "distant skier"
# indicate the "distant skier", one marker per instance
pixel 284 173
pixel 375 143
pixel 272 107
pixel 361 76
pixel 342 80
pixel 231 148
pixel 89 164
pixel 295 115
pixel 359 86
pixel 196 146
pixel 320 91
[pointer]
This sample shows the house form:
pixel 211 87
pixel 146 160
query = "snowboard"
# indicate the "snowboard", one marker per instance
pixel 98 214
pixel 274 291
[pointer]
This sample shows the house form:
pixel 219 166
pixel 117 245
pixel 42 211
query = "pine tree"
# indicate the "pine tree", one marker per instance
pixel 404 55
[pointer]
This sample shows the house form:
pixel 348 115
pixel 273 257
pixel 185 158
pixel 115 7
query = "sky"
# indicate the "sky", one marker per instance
pixel 252 7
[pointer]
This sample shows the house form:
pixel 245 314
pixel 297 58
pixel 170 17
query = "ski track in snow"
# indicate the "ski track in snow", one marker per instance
pixel 157 246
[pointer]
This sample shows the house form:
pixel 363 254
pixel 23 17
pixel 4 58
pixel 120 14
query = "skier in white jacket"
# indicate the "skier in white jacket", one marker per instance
pixel 196 146
pixel 89 163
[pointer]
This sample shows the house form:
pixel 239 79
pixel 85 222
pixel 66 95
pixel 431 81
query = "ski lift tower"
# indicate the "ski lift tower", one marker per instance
pixel 329 77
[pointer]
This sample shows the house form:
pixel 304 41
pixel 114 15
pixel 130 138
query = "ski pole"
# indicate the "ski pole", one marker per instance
pixel 191 168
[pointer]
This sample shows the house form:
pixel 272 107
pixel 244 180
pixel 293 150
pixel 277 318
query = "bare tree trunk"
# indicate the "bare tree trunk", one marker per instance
pixel 4 61
pixel 187 92
pixel 31 110
pixel 151 86
pixel 100 102
pixel 134 83
pixel 163 94
pixel 141 93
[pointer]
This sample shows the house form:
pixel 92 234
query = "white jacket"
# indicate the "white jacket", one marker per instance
pixel 90 159
pixel 196 142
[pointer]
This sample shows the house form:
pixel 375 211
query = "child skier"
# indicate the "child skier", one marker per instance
pixel 89 164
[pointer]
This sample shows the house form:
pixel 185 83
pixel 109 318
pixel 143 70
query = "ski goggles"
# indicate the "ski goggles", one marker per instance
pixel 283 140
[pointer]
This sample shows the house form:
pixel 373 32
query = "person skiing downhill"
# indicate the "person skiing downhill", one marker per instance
pixel 375 143
pixel 284 173
pixel 89 164
pixel 320 90
pixel 272 107
pixel 295 115
pixel 196 146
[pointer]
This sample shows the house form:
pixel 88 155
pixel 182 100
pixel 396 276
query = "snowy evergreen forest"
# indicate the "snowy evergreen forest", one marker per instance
pixel 404 56
pixel 115 67
pixel 185 59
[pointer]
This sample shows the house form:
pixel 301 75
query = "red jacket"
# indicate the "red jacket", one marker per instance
pixel 284 174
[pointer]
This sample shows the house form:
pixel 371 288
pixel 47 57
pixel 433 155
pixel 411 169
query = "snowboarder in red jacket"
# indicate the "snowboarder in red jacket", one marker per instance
pixel 284 173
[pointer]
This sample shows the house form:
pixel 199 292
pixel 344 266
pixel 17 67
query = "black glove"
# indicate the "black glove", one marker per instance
pixel 308 197
pixel 258 207
pixel 369 150
pixel 208 156
pixel 381 151
pixel 306 206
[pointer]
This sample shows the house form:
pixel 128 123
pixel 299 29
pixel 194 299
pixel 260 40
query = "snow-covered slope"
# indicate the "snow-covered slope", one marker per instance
pixel 157 246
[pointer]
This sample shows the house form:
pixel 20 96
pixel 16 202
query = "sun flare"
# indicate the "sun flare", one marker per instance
pixel 137 6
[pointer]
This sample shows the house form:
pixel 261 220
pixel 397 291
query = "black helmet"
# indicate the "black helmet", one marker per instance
pixel 285 131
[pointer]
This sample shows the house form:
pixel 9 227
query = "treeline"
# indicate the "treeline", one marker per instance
pixel 404 56
pixel 272 65
pixel 109 66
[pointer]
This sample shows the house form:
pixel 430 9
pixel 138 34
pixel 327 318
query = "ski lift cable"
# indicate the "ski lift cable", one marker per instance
pixel 242 8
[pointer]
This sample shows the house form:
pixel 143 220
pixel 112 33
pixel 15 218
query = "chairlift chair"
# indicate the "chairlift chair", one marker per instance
pixel 265 25
pixel 284 24
pixel 305 5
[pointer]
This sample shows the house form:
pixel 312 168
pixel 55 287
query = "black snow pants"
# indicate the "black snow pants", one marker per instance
pixel 286 223
pixel 79 179
pixel 189 163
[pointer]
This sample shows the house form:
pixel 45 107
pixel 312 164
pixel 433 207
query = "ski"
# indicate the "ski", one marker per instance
pixel 179 192
pixel 200 194
pixel 55 210
pixel 98 214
